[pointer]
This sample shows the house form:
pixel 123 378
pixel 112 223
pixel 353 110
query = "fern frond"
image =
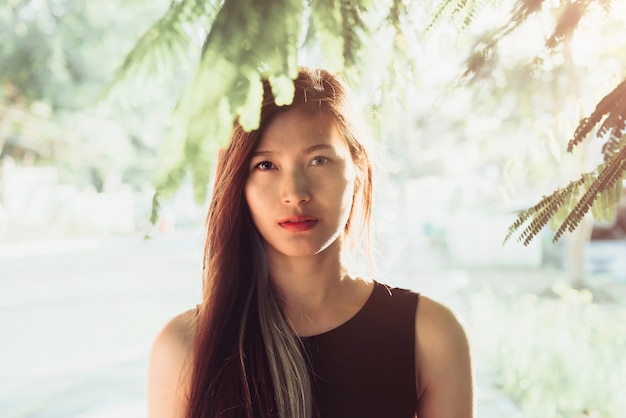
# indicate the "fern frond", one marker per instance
pixel 340 31
pixel 522 10
pixel 439 14
pixel 464 12
pixel 402 66
pixel 227 85
pixel 397 12
pixel 460 6
pixel 482 58
pixel 603 208
pixel 472 8
pixel 567 22
pixel 540 213
pixel 549 207
pixel 615 120
pixel 606 203
pixel 596 207
pixel 612 103
pixel 164 46
pixel 327 23
pixel 522 217
pixel 564 209
pixel 602 187
pixel 616 139
pixel 353 30
pixel 612 172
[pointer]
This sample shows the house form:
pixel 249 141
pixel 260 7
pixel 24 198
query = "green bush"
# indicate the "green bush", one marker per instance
pixel 556 355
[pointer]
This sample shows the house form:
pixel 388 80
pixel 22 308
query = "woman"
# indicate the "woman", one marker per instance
pixel 284 329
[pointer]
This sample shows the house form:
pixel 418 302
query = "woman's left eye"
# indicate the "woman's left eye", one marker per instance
pixel 319 161
pixel 264 165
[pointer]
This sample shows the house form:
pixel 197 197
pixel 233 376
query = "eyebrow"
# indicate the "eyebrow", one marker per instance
pixel 305 151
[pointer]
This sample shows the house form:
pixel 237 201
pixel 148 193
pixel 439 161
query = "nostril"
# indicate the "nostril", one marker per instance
pixel 295 189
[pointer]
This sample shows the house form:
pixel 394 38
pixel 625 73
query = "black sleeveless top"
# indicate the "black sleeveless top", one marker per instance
pixel 366 366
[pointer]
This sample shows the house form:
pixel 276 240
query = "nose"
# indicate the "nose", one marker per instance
pixel 295 188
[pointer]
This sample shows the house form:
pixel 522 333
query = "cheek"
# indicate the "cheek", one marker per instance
pixel 348 193
pixel 351 181
pixel 251 196
pixel 351 194
pixel 258 198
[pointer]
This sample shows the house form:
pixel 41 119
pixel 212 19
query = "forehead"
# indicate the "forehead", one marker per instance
pixel 302 127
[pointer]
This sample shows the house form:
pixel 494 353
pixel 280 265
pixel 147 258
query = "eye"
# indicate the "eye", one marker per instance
pixel 319 161
pixel 264 165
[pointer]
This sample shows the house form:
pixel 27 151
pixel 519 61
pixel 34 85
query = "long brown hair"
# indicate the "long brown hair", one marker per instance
pixel 247 360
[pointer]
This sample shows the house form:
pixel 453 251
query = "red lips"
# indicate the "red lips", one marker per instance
pixel 299 223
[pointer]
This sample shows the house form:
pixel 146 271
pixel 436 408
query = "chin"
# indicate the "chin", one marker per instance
pixel 301 253
pixel 303 248
pixel 296 250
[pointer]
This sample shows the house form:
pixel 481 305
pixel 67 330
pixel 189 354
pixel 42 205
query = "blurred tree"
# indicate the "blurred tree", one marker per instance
pixel 600 189
pixel 58 55
pixel 61 52
pixel 244 40
pixel 551 87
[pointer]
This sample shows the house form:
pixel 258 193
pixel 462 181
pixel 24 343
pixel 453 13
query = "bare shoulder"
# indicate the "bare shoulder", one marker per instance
pixel 179 332
pixel 437 324
pixel 442 355
pixel 170 366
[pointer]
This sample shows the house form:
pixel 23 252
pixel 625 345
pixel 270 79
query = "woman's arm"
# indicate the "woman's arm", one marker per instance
pixel 443 363
pixel 169 368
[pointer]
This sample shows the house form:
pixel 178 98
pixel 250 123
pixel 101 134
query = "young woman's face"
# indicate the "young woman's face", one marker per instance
pixel 300 184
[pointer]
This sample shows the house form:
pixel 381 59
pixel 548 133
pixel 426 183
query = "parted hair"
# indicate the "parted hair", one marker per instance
pixel 247 360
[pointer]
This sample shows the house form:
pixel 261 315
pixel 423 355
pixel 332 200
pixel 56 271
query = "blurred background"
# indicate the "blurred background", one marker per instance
pixel 86 282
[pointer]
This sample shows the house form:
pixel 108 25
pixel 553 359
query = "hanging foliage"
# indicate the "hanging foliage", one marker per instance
pixel 598 191
pixel 245 40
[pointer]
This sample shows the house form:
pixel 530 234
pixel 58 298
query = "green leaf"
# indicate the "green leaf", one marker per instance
pixel 227 84
pixel 326 16
pixel 249 110
pixel 163 49
pixel 282 89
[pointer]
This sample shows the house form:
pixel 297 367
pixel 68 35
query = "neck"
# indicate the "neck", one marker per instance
pixel 307 281
pixel 316 292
